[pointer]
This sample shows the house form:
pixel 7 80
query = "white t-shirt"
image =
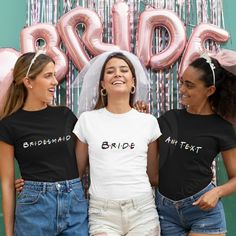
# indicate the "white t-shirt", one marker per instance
pixel 117 145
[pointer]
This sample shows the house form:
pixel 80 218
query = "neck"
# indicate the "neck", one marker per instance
pixel 34 106
pixel 118 106
pixel 205 109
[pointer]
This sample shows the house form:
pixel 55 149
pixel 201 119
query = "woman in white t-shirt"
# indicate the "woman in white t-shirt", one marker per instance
pixel 122 157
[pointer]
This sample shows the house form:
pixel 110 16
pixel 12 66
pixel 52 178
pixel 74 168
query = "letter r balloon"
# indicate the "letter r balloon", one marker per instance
pixel 92 36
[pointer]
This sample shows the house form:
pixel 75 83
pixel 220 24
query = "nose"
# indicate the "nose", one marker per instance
pixel 182 87
pixel 54 81
pixel 117 73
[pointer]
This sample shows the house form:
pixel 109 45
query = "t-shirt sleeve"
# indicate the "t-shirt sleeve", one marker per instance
pixel 227 139
pixel 6 133
pixel 79 129
pixel 155 129
pixel 72 117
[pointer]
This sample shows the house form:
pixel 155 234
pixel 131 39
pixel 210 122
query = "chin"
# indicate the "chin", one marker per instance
pixel 48 101
pixel 183 103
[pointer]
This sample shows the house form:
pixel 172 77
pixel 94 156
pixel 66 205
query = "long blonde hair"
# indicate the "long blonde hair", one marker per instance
pixel 17 92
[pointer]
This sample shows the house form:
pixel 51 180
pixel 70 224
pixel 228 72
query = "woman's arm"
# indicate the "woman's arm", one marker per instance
pixel 81 151
pixel 210 199
pixel 8 190
pixel 152 163
pixel 229 187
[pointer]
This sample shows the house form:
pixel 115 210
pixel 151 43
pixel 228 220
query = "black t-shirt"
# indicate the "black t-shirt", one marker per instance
pixel 44 144
pixel 188 146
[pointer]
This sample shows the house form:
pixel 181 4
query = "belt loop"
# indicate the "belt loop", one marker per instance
pixel 68 188
pixel 44 188
pixel 58 186
pixel 135 203
pixel 105 205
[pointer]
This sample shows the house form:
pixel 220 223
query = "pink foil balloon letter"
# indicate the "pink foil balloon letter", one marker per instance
pixel 48 33
pixel 8 58
pixel 121 25
pixel 195 46
pixel 92 36
pixel 150 19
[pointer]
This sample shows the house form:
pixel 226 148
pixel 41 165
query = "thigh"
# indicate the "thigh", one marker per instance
pixel 143 218
pixel 198 234
pixel 208 222
pixel 104 220
pixel 106 234
pixel 170 219
pixel 35 214
pixel 76 222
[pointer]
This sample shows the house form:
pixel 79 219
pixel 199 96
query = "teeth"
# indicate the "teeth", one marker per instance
pixel 118 82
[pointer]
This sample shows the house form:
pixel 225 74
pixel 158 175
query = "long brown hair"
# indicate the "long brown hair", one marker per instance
pixel 102 101
pixel 17 92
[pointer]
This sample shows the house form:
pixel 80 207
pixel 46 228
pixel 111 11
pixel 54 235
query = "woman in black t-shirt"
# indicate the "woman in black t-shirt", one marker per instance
pixel 40 137
pixel 187 201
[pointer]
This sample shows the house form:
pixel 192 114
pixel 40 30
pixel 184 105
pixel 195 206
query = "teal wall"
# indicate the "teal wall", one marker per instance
pixel 230 17
pixel 12 20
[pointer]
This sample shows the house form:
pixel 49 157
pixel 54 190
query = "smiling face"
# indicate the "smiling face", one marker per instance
pixel 42 88
pixel 194 92
pixel 118 78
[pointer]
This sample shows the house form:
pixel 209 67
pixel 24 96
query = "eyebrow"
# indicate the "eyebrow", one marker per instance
pixel 187 82
pixel 49 73
pixel 112 67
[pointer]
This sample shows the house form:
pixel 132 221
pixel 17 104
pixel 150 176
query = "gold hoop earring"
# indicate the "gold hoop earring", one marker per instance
pixel 103 92
pixel 132 90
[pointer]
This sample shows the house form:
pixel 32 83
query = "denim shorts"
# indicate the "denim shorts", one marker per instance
pixel 131 217
pixel 49 209
pixel 178 218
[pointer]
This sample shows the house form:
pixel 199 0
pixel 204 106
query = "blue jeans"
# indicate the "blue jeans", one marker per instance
pixel 178 218
pixel 48 209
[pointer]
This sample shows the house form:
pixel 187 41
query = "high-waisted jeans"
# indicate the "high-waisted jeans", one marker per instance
pixel 48 209
pixel 178 218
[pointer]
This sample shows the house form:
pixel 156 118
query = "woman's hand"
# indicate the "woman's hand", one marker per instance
pixel 19 183
pixel 208 200
pixel 141 106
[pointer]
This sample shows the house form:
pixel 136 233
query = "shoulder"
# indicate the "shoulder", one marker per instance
pixel 92 113
pixel 64 109
pixel 171 114
pixel 63 113
pixel 223 124
pixel 144 117
pixel 11 117
pixel 60 109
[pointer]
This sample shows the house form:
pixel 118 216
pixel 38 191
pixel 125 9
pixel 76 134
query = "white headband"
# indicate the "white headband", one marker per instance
pixel 209 61
pixel 39 52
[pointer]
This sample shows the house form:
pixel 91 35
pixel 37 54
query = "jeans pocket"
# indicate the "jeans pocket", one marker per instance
pixel 147 206
pixel 78 193
pixel 93 211
pixel 28 196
